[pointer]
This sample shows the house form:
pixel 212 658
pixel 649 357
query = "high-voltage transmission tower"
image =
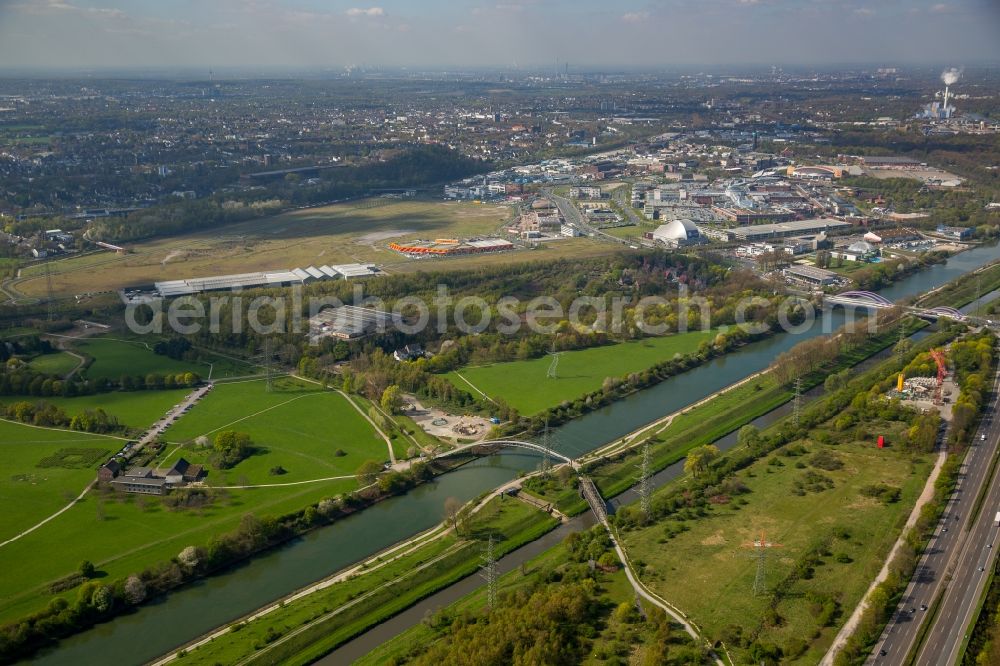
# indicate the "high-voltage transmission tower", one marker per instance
pixel 645 481
pixel 49 301
pixel 268 365
pixel 546 446
pixel 488 571
pixel 761 550
pixel 554 365
pixel 797 402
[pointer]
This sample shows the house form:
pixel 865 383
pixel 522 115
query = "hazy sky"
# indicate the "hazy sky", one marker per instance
pixel 318 33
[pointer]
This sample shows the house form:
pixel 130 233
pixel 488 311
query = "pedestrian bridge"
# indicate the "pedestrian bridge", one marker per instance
pixel 507 443
pixel 869 300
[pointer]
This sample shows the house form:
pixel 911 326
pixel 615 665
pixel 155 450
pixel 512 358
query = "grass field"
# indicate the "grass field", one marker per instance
pixel 708 553
pixel 136 409
pixel 126 535
pixel 296 426
pixel 114 357
pixel 524 384
pixel 629 231
pixel 59 363
pixel 38 492
pixel 340 233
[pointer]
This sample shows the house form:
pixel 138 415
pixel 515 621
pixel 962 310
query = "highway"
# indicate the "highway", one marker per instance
pixel 571 215
pixel 955 565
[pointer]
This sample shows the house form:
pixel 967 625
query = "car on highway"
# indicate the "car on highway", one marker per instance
pixel 923 607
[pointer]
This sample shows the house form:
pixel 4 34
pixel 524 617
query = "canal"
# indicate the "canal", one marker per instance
pixel 157 628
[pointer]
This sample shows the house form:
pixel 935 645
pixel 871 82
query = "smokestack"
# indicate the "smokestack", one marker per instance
pixel 946 92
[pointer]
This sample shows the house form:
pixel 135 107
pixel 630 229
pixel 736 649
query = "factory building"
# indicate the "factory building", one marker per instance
pixel 350 322
pixel 817 277
pixel 264 280
pixel 892 162
pixel 785 229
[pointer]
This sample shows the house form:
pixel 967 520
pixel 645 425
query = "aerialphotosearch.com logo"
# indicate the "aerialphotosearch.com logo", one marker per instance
pixel 293 313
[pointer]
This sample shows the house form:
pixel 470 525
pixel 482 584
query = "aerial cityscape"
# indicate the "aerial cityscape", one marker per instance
pixel 532 333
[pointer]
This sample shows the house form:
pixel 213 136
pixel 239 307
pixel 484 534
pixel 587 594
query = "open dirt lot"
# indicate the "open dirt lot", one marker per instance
pixel 467 427
pixel 341 233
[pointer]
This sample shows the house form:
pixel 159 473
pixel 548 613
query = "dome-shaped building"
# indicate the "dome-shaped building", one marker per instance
pixel 861 248
pixel 677 232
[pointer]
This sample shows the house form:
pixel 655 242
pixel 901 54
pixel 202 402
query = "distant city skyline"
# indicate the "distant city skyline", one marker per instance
pixel 75 34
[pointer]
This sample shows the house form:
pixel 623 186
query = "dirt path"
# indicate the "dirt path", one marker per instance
pixel 852 622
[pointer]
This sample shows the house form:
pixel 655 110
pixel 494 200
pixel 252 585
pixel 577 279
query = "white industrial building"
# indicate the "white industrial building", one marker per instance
pixel 264 280
pixel 758 232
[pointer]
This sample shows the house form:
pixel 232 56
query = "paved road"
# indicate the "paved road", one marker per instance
pixel 168 419
pixel 951 564
pixel 571 215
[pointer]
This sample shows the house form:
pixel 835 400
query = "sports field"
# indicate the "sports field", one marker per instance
pixel 340 233
pixel 296 426
pixel 42 470
pixel 114 357
pixel 710 555
pixel 526 386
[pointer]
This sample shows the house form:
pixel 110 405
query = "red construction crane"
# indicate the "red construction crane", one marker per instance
pixel 942 370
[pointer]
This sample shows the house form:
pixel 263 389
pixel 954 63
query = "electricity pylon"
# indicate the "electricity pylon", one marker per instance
pixel 645 481
pixel 797 402
pixel 488 571
pixel 546 446
pixel 268 369
pixel 761 548
pixel 49 302
pixel 553 366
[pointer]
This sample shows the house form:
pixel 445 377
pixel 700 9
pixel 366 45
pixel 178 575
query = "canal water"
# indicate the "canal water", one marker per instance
pixel 158 628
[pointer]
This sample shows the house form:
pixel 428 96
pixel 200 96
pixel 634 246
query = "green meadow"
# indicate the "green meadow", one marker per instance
pixel 115 357
pixel 41 470
pixel 525 385
pixel 297 426
pixel 136 409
